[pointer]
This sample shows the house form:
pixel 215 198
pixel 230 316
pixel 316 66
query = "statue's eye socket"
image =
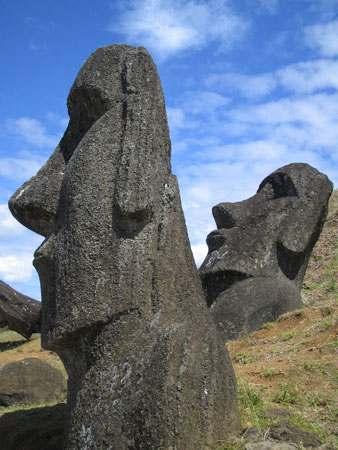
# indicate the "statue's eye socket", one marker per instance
pixel 280 184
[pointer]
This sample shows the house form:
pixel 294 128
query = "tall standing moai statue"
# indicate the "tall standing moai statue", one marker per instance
pixel 258 256
pixel 121 298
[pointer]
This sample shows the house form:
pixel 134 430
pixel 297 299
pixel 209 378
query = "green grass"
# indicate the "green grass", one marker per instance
pixel 286 394
pixel 329 280
pixel 251 406
pixel 233 446
pixel 287 335
pixel 315 366
pixel 314 399
pixel 333 344
pixel 326 324
pixel 244 358
pixel 254 403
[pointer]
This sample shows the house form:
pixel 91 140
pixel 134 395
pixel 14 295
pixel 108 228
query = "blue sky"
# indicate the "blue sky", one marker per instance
pixel 250 85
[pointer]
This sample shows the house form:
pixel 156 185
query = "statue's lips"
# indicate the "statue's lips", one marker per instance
pixel 221 266
pixel 215 233
pixel 215 239
pixel 39 262
pixel 42 257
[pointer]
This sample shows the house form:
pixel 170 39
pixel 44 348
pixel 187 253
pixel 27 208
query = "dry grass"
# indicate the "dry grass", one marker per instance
pixel 292 364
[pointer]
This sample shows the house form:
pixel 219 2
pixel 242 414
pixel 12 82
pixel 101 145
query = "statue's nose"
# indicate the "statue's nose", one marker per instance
pixel 224 215
pixel 35 203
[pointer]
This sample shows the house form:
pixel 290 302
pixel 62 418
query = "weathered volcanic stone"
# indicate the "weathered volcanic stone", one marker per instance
pixel 19 312
pixel 258 255
pixel 30 380
pixel 122 300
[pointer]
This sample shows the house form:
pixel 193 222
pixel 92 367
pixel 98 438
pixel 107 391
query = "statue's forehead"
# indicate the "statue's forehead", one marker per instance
pixel 105 73
pixel 96 82
pixel 297 179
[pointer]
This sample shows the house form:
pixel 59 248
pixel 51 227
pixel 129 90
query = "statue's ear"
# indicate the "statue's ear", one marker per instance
pixel 301 216
pixel 301 227
pixel 145 147
pixel 298 236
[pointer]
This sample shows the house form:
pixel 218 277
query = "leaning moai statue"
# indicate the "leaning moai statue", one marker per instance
pixel 19 312
pixel 122 302
pixel 258 256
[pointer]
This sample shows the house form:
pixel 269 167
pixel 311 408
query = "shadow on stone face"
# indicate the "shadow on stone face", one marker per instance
pixel 33 429
pixel 258 256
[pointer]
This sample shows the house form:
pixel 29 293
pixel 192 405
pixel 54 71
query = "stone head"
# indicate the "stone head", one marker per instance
pixel 266 239
pixel 98 190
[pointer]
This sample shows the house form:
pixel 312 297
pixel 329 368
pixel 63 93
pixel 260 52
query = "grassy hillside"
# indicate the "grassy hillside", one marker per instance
pixel 321 280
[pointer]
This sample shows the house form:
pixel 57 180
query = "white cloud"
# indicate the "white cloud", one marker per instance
pixel 200 252
pixel 7 222
pixel 19 169
pixel 205 102
pixel 168 27
pixel 310 76
pixel 16 267
pixel 304 125
pixel 32 131
pixel 176 118
pixel 57 120
pixel 314 110
pixel 301 78
pixel 17 246
pixel 323 37
pixel 250 86
pixel 248 152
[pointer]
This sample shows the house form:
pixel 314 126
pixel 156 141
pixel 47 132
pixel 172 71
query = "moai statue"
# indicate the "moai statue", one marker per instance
pixel 258 256
pixel 19 312
pixel 122 302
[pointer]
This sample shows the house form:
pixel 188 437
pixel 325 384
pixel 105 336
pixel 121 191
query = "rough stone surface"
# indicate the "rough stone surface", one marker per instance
pixel 19 312
pixel 288 432
pixel 258 255
pixel 122 300
pixel 30 380
pixel 33 429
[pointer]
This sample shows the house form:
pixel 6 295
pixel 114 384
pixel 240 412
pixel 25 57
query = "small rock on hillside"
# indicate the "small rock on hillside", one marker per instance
pixel 30 381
